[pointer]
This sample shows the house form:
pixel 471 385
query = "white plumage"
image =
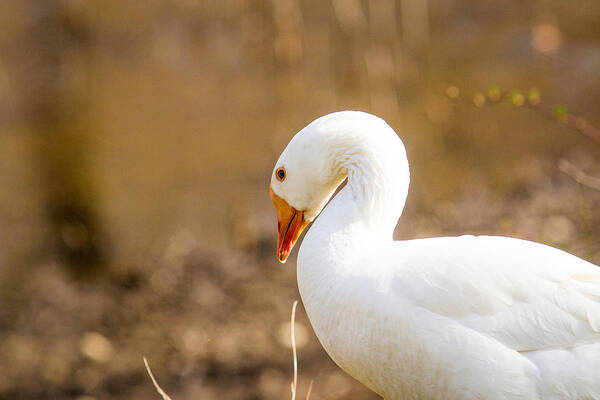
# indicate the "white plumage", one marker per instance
pixel 470 317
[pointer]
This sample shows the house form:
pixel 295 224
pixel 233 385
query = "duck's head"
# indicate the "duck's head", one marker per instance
pixel 304 179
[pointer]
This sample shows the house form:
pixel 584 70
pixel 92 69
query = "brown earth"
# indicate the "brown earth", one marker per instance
pixel 156 125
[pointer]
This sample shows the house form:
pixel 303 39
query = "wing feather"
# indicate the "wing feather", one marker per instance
pixel 526 295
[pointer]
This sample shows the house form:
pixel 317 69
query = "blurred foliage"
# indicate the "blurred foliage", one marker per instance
pixel 140 138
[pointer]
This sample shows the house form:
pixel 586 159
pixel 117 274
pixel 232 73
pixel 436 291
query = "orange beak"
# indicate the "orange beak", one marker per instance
pixel 290 224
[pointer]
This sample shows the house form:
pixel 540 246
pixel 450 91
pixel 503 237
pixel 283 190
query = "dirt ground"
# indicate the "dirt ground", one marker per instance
pixel 162 121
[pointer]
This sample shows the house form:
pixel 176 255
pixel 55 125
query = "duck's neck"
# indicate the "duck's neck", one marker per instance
pixel 378 177
pixel 356 225
pixel 369 206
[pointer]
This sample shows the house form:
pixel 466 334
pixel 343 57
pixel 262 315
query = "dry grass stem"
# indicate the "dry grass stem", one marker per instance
pixel 293 336
pixel 162 393
pixel 294 384
pixel 578 175
pixel 309 390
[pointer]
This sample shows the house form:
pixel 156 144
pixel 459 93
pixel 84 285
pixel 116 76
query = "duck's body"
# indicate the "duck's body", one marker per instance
pixel 442 323
pixel 455 317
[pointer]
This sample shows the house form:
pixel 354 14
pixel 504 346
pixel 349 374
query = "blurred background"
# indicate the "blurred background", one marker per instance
pixel 137 141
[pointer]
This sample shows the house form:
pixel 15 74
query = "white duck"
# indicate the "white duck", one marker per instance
pixel 470 317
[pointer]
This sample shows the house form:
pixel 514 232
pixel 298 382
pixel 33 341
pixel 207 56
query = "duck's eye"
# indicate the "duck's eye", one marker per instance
pixel 280 174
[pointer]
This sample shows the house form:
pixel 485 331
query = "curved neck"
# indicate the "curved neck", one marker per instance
pixel 378 179
pixel 363 213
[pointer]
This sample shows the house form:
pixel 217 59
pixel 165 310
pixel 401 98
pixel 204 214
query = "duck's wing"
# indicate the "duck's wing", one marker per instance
pixel 526 295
